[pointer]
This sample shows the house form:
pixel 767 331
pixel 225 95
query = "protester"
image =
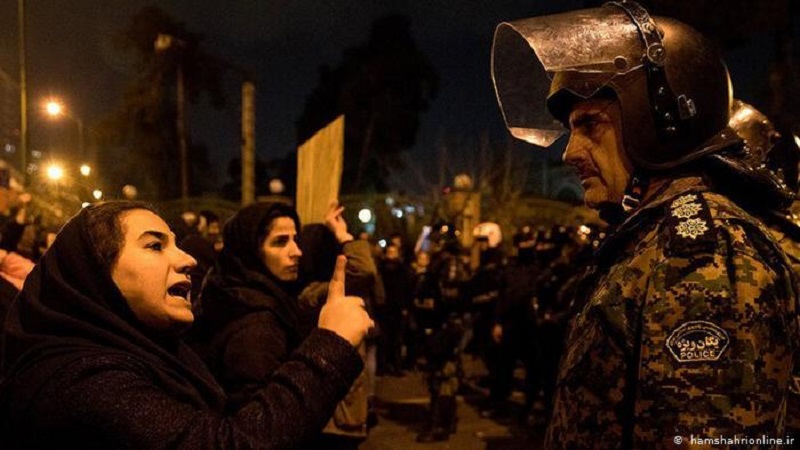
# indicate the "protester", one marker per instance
pixel 396 283
pixel 249 306
pixel 252 318
pixel 92 357
pixel 200 244
pixel 321 243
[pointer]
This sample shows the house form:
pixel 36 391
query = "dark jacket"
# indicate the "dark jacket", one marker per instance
pixel 398 282
pixel 249 322
pixel 350 417
pixel 246 332
pixel 514 308
pixel 81 372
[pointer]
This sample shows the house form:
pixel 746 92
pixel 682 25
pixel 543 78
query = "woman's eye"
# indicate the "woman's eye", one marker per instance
pixel 280 242
pixel 155 246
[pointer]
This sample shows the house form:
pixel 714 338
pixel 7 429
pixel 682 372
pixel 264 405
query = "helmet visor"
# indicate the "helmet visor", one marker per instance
pixel 601 42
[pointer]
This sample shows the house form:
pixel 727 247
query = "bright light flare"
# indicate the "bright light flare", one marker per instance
pixel 365 215
pixel 54 108
pixel 97 194
pixel 55 172
pixel 86 170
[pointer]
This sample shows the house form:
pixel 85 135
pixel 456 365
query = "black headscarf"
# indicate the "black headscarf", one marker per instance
pixel 240 283
pixel 246 230
pixel 70 308
pixel 320 249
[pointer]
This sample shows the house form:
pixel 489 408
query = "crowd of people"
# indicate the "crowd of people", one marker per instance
pixel 220 317
pixel 680 319
pixel 505 310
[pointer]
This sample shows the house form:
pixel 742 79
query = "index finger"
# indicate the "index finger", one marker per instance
pixel 336 286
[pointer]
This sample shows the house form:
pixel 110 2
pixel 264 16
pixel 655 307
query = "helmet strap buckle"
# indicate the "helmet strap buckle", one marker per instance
pixel 667 107
pixel 634 193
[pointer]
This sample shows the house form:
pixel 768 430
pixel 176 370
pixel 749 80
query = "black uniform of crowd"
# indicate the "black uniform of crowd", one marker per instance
pixel 508 311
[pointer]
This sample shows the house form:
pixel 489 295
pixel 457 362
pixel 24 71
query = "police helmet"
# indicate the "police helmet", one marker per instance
pixel 672 85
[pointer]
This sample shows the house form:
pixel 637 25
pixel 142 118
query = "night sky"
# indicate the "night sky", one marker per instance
pixel 284 42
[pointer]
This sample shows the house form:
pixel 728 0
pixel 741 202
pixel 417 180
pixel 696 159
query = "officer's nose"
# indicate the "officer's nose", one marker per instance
pixel 572 152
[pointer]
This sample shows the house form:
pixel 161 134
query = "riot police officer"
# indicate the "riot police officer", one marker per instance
pixel 514 331
pixel 688 321
pixel 769 162
pixel 438 303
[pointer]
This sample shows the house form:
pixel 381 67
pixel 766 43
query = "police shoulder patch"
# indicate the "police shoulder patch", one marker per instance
pixel 690 225
pixel 697 341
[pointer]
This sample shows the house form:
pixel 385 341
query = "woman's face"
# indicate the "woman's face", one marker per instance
pixel 279 252
pixel 153 273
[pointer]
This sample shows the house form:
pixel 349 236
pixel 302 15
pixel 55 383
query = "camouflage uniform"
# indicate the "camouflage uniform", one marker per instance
pixel 785 230
pixel 687 328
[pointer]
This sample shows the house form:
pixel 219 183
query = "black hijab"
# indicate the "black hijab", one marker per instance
pixel 320 249
pixel 240 283
pixel 70 308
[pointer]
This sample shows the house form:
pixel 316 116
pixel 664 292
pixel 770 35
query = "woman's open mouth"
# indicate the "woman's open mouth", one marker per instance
pixel 181 289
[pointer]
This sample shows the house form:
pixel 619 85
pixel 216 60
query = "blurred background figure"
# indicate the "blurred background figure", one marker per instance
pixel 440 310
pixel 321 243
pixel 564 260
pixel 515 331
pixel 203 241
pixel 482 295
pixel 397 285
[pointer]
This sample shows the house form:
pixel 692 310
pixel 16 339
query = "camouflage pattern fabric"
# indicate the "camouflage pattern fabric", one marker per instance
pixel 687 328
pixel 786 232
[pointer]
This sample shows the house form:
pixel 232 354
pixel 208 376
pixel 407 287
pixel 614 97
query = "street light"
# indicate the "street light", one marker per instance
pixel 56 109
pixel 53 108
pixel 55 172
pixel 365 215
pixel 86 170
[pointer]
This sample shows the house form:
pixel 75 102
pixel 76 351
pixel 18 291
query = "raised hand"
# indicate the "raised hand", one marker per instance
pixel 341 314
pixel 336 223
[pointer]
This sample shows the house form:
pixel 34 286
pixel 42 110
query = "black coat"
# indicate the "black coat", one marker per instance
pixel 250 321
pixel 246 332
pixel 81 372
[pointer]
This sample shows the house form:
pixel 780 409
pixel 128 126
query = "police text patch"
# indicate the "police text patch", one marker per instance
pixel 697 340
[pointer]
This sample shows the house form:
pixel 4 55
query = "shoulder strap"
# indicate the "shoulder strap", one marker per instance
pixel 689 226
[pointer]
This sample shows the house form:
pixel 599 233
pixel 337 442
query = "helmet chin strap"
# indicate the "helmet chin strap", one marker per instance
pixel 615 213
pixel 635 191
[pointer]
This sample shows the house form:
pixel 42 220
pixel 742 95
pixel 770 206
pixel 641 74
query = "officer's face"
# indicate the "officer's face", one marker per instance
pixel 595 151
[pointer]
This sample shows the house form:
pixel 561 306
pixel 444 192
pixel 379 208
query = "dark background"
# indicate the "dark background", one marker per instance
pixel 283 42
